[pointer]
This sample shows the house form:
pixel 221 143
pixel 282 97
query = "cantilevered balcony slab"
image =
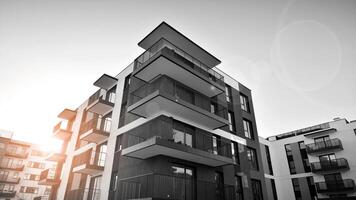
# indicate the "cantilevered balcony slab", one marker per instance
pixel 88 169
pixel 158 101
pixel 67 114
pixel 166 31
pixel 105 82
pixel 94 135
pixel 156 146
pixel 318 133
pixel 166 62
pixel 48 177
pixel 100 106
pixel 56 157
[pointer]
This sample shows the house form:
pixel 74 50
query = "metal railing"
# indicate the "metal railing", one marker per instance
pixel 17 167
pixel 83 194
pixel 334 164
pixel 194 63
pixel 97 123
pixel 17 154
pixel 324 145
pixel 335 186
pixel 90 157
pixel 7 194
pixel 48 174
pixel 198 139
pixel 159 186
pixel 168 87
pixel 7 179
pixel 102 94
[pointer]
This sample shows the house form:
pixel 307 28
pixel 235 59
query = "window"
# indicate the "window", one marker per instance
pixel 183 183
pixel 38 153
pixel 37 165
pixel 304 154
pixel 183 134
pixel 238 188
pixel 228 93
pixel 231 118
pixel 296 188
pixel 269 162
pixel 355 131
pixel 215 145
pixel 94 187
pixel 26 189
pixel 256 189
pixel 235 152
pixel 219 185
pixel 248 129
pixel 274 189
pixel 252 158
pixel 102 155
pixel 290 159
pixel 244 103
pixel 311 187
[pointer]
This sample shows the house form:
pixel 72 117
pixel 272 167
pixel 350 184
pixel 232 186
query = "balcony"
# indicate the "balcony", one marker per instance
pixel 342 186
pixel 48 177
pixel 96 130
pixel 7 179
pixel 324 146
pixel 82 194
pixel 56 157
pixel 101 102
pixel 340 164
pixel 15 167
pixel 16 154
pixel 7 194
pixel 164 58
pixel 67 114
pixel 159 186
pixel 158 137
pixel 90 162
pixel 62 132
pixel 167 95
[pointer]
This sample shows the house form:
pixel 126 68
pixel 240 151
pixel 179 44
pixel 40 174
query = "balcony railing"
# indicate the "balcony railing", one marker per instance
pixel 332 165
pixel 17 167
pixel 347 185
pixel 97 123
pixel 102 94
pixel 322 146
pixel 174 90
pixel 17 154
pixel 90 157
pixel 194 63
pixel 48 174
pixel 7 194
pixel 163 129
pixel 7 179
pixel 84 194
pixel 159 186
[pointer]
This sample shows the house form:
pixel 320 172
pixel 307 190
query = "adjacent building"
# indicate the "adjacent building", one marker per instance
pixel 171 125
pixel 317 162
pixel 21 164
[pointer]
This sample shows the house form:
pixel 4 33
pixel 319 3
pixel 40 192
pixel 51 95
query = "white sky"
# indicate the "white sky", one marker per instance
pixel 297 57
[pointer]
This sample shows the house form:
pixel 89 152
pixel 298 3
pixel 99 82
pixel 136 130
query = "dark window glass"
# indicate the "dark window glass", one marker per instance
pixel 219 185
pixel 231 118
pixel 304 155
pixel 269 162
pixel 238 188
pixel 248 129
pixel 290 159
pixel 244 103
pixel 228 93
pixel 296 188
pixel 235 152
pixel 311 187
pixel 256 189
pixel 252 158
pixel 274 189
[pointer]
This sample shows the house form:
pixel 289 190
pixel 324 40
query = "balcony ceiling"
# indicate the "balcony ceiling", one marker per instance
pixel 95 136
pixel 178 39
pixel 156 103
pixel 105 82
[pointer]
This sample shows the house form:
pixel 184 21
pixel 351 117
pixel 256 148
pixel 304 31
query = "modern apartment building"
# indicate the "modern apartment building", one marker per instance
pixel 21 164
pixel 169 126
pixel 317 162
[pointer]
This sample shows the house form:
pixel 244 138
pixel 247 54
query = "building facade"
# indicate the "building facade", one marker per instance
pixel 317 162
pixel 169 126
pixel 21 164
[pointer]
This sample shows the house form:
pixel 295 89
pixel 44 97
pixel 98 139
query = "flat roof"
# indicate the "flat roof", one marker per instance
pixel 166 31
